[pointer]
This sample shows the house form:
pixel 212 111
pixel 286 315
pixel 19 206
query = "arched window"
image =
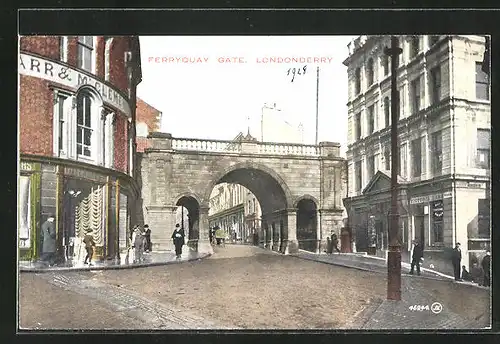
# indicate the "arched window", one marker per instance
pixel 369 72
pixel 84 125
pixel 385 64
pixel 357 81
pixel 387 111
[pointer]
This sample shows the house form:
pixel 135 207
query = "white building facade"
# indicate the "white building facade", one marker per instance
pixel 444 144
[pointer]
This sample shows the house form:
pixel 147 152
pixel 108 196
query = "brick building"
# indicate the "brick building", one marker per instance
pixel 444 144
pixel 148 120
pixel 77 141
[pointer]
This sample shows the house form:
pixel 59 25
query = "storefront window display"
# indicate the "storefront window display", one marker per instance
pixel 24 212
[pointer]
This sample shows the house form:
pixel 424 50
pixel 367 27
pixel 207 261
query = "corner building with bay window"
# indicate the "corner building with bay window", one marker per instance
pixel 443 141
pixel 77 101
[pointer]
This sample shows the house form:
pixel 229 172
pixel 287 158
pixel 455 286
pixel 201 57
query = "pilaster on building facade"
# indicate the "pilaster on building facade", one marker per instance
pixel 443 143
pixel 77 142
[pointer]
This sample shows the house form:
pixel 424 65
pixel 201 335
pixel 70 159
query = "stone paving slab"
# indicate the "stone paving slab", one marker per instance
pixel 150 259
pixel 156 315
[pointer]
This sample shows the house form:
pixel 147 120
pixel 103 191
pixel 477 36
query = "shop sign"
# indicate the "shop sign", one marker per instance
pixel 25 166
pixel 65 75
pixel 430 198
pixel 79 173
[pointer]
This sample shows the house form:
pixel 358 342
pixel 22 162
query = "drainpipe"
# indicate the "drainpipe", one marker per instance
pixel 452 97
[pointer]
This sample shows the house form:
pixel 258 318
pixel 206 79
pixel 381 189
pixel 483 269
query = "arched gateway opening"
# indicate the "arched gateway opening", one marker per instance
pixel 188 217
pixel 250 204
pixel 307 225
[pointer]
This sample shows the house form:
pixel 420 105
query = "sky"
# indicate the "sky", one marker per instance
pixel 226 80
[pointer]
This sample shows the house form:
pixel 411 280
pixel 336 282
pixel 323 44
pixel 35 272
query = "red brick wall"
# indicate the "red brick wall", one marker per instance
pixel 121 144
pixel 142 144
pixel 118 75
pixel 36 111
pixel 148 114
pixel 41 45
pixel 100 45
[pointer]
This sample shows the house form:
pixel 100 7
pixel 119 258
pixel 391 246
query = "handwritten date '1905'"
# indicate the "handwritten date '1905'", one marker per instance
pixel 296 71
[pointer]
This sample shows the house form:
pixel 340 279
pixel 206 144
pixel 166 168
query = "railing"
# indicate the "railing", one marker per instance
pixel 206 145
pixel 223 146
pixel 288 149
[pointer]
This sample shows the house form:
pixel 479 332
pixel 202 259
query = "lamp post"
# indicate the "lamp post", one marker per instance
pixel 394 254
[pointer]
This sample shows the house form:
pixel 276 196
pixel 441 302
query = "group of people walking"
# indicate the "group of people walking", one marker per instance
pixel 480 276
pixel 140 239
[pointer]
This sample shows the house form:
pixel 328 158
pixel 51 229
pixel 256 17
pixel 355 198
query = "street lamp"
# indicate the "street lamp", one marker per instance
pixel 394 254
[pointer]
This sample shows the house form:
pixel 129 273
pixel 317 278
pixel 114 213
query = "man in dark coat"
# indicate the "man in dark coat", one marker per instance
pixel 147 237
pixel 49 240
pixel 89 242
pixel 456 258
pixel 485 264
pixel 335 243
pixel 178 238
pixel 418 254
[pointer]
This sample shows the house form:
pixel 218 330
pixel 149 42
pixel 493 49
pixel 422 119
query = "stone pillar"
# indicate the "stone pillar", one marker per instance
pixel 276 238
pixel 318 232
pixel 262 236
pixel 291 244
pixel 204 245
pixel 269 243
pixel 161 220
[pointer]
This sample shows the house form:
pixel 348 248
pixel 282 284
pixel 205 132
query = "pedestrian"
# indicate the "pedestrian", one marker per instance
pixel 49 240
pixel 89 242
pixel 138 245
pixel 466 276
pixel 417 256
pixel 335 243
pixel 147 237
pixel 178 238
pixel 485 264
pixel 211 234
pixel 456 258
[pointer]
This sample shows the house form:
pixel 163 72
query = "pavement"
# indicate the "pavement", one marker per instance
pixel 366 262
pixel 150 259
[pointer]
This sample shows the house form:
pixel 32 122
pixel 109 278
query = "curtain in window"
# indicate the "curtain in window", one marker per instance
pixel 89 216
pixel 24 211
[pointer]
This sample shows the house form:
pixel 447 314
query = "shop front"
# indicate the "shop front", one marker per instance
pixel 83 199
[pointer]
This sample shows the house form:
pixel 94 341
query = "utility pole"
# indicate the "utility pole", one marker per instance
pixel 394 254
pixel 317 98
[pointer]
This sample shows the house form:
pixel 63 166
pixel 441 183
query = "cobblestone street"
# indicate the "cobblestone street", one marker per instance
pixel 240 287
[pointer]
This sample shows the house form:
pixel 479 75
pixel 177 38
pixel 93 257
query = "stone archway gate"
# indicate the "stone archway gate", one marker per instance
pixel 173 168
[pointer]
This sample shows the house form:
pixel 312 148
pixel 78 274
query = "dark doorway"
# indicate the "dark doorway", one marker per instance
pixel 193 213
pixel 307 225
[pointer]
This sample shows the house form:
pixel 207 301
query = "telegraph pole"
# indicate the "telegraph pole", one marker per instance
pixel 317 98
pixel 394 254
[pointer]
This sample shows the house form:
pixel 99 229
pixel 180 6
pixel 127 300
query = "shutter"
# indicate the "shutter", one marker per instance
pixel 483 139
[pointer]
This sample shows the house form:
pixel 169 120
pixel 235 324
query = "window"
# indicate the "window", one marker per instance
pixel 483 148
pixel 387 157
pixel 436 84
pixel 369 72
pixel 416 157
pixel 24 211
pixel 403 163
pixel 84 125
pixel 85 51
pixel 385 64
pixel 357 171
pixel 387 111
pixel 63 48
pixel 437 152
pixel 63 129
pixel 433 39
pixel 357 81
pixel 415 95
pixel 357 119
pixel 437 220
pixel 482 87
pixel 483 218
pixel 371 119
pixel 370 167
pixel 414 46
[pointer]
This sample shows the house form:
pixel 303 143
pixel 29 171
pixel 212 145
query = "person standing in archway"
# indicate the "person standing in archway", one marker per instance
pixel 178 238
pixel 147 237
